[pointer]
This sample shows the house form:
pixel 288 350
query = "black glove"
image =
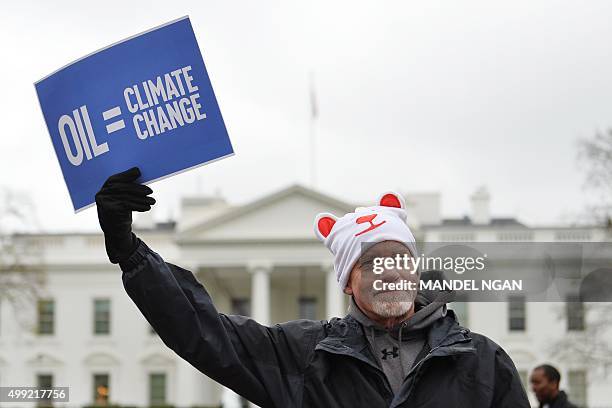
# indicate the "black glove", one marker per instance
pixel 118 197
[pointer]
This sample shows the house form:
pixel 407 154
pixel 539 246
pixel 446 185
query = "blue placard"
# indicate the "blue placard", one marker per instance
pixel 146 101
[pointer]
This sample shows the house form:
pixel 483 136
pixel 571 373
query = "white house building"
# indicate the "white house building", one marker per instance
pixel 260 259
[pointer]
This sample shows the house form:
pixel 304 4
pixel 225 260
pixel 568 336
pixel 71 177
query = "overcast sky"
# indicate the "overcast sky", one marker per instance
pixel 417 96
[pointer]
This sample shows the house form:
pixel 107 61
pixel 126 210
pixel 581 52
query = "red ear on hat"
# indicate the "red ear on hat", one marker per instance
pixel 324 223
pixel 391 199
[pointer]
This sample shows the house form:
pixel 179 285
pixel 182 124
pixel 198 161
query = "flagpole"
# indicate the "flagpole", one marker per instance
pixel 312 154
pixel 311 136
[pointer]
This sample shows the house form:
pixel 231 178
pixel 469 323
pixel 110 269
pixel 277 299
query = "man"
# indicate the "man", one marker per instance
pixel 393 349
pixel 545 385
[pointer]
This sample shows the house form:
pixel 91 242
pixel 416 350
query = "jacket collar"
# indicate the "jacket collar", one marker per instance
pixel 559 401
pixel 416 326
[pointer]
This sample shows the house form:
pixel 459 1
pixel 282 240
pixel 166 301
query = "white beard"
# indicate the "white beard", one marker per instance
pixel 393 304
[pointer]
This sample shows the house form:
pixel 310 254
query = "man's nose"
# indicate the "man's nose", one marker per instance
pixel 391 275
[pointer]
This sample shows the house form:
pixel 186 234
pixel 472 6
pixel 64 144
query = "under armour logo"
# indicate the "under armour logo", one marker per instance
pixel 368 218
pixel 394 353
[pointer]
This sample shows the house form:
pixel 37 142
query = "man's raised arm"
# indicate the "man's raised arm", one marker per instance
pixel 263 364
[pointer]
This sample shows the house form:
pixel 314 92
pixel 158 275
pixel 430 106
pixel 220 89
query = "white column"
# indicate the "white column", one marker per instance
pixel 184 381
pixel 260 291
pixel 260 294
pixel 334 297
pixel 229 399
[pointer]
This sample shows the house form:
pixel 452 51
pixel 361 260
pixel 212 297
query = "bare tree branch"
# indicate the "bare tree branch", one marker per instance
pixel 20 285
pixel 595 158
pixel 591 346
pixel 596 155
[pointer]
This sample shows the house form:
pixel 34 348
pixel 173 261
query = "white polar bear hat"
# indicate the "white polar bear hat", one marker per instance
pixel 367 225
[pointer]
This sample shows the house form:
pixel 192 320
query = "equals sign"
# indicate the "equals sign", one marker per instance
pixel 112 113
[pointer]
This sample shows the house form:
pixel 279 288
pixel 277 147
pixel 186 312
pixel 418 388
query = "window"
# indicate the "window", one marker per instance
pixel 461 311
pixel 577 387
pixel 101 390
pixel 157 389
pixel 575 314
pixel 241 306
pixel 45 382
pixel 516 313
pixel 101 316
pixel 46 316
pixel 308 307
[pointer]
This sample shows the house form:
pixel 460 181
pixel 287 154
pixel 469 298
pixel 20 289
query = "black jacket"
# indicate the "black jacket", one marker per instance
pixel 560 402
pixel 306 363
